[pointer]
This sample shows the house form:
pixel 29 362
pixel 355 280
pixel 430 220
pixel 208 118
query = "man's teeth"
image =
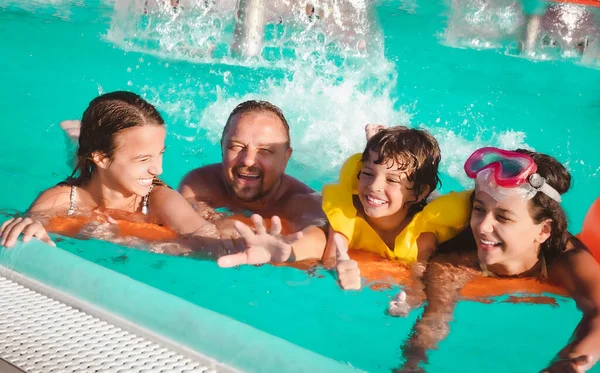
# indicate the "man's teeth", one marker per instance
pixel 249 176
pixel 486 242
pixel 376 201
pixel 145 182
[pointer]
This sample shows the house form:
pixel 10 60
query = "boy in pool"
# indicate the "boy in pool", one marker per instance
pixel 379 205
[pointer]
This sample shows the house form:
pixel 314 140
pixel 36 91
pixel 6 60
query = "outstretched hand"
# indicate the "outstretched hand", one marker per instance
pixel 261 246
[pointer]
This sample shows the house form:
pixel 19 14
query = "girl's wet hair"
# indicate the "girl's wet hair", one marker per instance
pixel 106 116
pixel 542 207
pixel 415 152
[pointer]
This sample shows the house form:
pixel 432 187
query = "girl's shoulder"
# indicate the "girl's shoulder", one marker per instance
pixel 53 200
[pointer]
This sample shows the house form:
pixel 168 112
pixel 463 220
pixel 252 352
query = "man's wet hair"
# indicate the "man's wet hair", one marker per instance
pixel 253 106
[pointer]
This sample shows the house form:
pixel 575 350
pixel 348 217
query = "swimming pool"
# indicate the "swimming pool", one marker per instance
pixel 57 55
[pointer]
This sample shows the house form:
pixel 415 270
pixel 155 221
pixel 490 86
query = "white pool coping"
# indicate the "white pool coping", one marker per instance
pixel 216 343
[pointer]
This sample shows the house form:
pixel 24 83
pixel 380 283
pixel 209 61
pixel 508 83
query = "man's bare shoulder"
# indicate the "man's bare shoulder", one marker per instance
pixel 202 173
pixel 202 183
pixel 295 187
pixel 201 176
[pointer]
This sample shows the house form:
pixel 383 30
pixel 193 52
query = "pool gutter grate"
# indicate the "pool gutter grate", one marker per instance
pixel 40 334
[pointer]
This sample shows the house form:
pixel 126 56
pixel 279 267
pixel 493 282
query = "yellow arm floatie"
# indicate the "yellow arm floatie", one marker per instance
pixel 447 215
pixel 337 198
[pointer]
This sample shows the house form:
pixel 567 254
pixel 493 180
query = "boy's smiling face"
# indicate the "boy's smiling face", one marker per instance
pixel 384 189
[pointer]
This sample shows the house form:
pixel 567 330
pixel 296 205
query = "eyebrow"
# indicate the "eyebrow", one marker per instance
pixel 259 145
pixel 476 200
pixel 371 162
pixel 505 211
pixel 148 155
pixel 394 174
pixel 369 165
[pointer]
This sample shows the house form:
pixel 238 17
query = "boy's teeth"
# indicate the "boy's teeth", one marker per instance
pixel 376 200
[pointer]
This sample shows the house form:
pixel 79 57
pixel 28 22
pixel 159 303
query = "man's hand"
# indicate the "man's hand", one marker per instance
pixel 261 246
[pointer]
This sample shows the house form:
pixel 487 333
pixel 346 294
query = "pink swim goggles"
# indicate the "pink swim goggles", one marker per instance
pixel 503 174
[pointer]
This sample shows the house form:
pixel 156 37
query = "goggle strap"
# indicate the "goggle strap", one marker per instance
pixel 550 192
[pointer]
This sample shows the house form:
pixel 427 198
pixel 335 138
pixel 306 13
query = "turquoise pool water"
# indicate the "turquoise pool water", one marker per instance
pixel 57 55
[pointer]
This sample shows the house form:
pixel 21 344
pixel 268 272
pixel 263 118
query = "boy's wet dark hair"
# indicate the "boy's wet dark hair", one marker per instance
pixel 416 152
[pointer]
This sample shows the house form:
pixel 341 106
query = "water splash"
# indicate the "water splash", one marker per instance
pixel 483 24
pixel 566 31
pixel 328 90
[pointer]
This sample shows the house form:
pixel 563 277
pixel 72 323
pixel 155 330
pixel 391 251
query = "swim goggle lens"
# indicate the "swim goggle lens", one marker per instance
pixel 502 173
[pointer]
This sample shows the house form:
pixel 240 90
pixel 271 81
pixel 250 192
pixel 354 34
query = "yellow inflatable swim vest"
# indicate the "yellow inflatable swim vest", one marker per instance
pixel 446 217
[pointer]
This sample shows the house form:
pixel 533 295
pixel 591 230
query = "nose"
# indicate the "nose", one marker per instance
pixel 156 168
pixel 378 184
pixel 486 224
pixel 249 157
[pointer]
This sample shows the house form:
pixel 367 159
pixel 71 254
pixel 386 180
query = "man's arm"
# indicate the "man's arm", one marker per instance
pixel 303 210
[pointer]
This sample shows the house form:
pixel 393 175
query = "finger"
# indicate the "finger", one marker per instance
pixel 49 241
pixel 350 280
pixel 234 234
pixel 15 232
pixel 401 297
pixel 33 230
pixel 3 229
pixel 290 239
pixel 281 255
pixel 275 225
pixel 244 230
pixel 342 249
pixel 8 228
pixel 46 239
pixel 259 224
pixel 6 224
pixel 345 265
pixel 351 273
pixel 111 220
pixel 233 260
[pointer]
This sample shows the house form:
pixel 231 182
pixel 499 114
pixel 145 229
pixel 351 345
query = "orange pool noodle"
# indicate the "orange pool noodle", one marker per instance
pixel 590 231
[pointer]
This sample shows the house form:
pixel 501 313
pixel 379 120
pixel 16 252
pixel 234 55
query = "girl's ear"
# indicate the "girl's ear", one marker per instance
pixel 545 231
pixel 100 160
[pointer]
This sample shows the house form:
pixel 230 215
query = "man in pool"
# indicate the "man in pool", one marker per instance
pixel 251 177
